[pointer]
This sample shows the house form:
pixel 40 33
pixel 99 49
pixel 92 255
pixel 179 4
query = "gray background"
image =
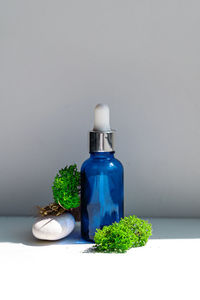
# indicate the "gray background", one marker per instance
pixel 59 58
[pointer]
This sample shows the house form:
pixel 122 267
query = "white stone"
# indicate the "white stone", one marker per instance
pixel 53 228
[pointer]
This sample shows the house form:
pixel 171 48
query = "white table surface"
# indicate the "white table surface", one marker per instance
pixel 168 267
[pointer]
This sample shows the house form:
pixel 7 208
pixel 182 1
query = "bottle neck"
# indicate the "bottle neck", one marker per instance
pixel 102 154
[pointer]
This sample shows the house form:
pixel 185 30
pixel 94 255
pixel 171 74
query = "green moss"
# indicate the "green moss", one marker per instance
pixel 119 237
pixel 66 187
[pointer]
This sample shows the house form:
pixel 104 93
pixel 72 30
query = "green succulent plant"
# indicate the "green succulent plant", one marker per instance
pixel 119 237
pixel 66 187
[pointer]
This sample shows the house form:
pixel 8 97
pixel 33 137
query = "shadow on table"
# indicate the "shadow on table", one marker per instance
pixel 18 230
pixel 171 228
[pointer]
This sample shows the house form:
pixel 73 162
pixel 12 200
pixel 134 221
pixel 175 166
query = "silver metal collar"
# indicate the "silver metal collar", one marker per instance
pixel 101 141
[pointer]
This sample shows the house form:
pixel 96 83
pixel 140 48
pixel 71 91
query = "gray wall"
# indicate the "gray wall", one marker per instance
pixel 59 58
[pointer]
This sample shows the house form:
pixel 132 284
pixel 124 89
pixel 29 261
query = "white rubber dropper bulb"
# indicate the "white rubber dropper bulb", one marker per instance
pixel 102 118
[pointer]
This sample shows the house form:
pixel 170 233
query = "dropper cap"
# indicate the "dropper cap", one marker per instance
pixel 102 118
pixel 101 137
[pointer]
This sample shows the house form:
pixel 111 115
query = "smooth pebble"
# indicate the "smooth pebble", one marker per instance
pixel 53 228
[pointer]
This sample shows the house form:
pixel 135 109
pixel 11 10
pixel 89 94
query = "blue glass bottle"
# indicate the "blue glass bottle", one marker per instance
pixel 102 192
